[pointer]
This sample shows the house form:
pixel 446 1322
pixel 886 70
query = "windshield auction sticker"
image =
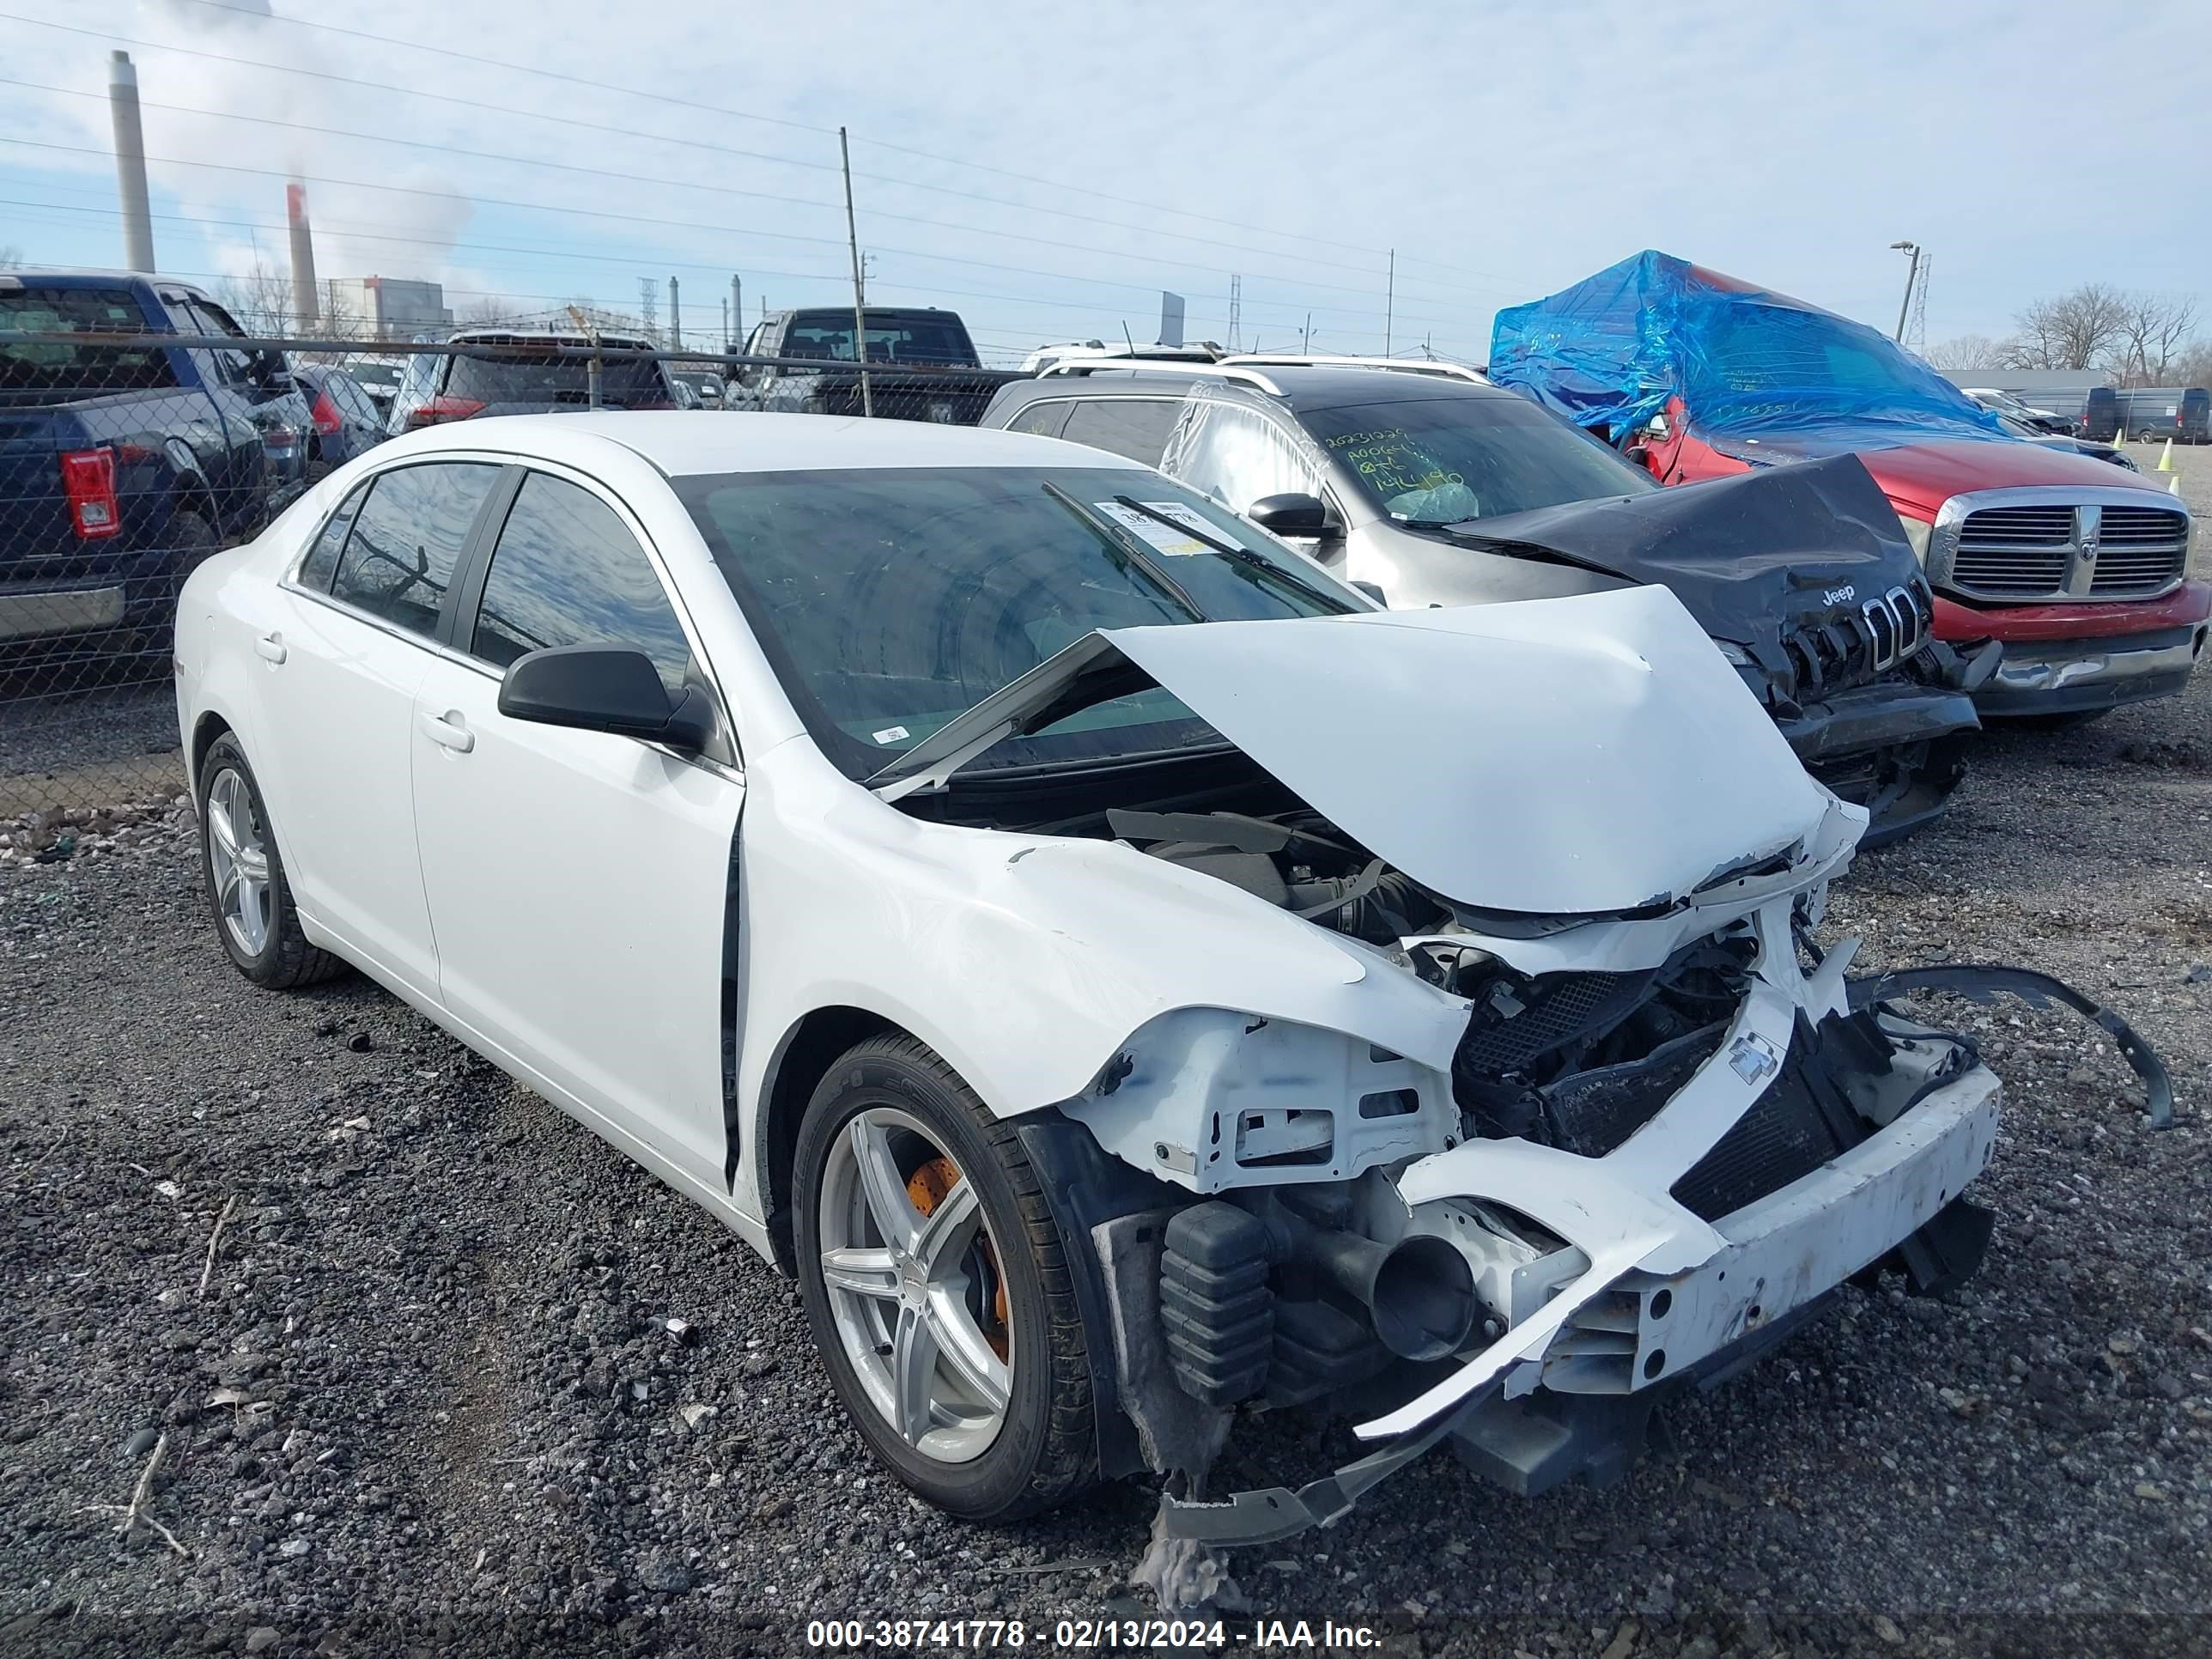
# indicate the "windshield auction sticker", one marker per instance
pixel 1160 537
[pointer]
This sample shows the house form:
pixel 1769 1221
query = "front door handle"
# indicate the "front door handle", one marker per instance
pixel 270 648
pixel 448 729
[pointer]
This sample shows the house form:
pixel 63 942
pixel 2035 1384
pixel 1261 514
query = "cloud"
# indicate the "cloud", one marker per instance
pixel 1502 150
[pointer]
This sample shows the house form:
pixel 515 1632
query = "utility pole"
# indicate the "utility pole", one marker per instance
pixel 675 318
pixel 725 324
pixel 860 297
pixel 1390 302
pixel 1912 276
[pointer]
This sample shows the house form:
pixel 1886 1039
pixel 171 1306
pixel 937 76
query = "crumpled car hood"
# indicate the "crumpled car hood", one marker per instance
pixel 1753 557
pixel 1581 755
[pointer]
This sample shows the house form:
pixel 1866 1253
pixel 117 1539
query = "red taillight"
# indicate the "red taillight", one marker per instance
pixel 434 409
pixel 326 414
pixel 88 480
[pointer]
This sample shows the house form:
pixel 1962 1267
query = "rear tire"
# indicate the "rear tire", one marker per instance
pixel 981 1443
pixel 244 875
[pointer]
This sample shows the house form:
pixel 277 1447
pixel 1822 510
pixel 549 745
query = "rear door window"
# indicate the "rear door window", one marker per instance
pixel 567 571
pixel 399 560
pixel 233 364
pixel 1044 419
pixel 1135 427
pixel 322 561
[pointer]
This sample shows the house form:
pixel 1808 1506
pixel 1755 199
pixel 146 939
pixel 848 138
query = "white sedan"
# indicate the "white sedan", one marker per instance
pixel 1124 976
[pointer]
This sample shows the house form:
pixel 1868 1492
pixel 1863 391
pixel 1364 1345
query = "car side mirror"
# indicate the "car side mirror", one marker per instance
pixel 1373 591
pixel 603 688
pixel 1304 517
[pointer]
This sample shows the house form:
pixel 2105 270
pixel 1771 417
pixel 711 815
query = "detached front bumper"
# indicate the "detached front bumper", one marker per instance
pixel 1579 1376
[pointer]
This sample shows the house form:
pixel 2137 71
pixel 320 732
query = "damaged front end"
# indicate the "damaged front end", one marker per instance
pixel 1806 581
pixel 1634 1127
pixel 1647 1173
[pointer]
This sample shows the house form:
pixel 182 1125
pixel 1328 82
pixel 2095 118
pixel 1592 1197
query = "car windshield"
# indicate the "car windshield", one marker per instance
pixel 890 600
pixel 891 339
pixel 1443 461
pixel 527 377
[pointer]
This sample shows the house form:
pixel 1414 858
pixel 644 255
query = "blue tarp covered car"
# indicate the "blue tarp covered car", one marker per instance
pixel 1612 350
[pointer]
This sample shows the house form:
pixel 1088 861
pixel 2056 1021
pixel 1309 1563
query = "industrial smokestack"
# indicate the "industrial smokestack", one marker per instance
pixel 130 162
pixel 303 255
pixel 675 317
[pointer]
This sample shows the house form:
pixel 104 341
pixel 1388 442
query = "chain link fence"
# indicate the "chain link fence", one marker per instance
pixel 127 457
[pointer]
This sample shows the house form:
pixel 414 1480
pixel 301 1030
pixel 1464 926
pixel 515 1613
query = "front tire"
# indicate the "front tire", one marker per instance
pixel 938 1290
pixel 244 874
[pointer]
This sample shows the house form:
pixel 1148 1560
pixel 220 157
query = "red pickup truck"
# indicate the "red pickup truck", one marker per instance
pixel 2078 567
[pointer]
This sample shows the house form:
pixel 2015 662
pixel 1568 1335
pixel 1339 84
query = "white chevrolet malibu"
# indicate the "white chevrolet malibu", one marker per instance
pixel 1127 977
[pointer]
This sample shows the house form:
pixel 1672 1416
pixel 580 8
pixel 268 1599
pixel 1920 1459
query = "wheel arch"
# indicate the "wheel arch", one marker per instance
pixel 801 1061
pixel 206 730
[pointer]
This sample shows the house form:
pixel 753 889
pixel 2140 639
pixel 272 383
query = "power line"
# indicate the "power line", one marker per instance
pixel 340 227
pixel 629 179
pixel 571 209
pixel 661 96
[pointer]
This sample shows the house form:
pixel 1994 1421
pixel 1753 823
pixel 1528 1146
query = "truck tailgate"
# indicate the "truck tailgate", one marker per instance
pixel 34 523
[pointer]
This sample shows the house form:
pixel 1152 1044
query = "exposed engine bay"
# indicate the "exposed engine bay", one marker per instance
pixel 1585 1119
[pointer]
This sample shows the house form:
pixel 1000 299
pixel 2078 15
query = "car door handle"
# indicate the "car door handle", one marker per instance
pixel 448 729
pixel 270 648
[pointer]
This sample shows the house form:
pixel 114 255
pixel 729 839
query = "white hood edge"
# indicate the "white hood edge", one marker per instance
pixel 1572 755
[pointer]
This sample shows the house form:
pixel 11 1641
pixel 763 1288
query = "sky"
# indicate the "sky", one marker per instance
pixel 1047 170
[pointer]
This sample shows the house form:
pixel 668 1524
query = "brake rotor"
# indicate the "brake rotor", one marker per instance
pixel 928 1187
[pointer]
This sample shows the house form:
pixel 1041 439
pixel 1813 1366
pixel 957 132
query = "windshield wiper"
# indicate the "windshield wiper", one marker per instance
pixel 1241 555
pixel 1128 552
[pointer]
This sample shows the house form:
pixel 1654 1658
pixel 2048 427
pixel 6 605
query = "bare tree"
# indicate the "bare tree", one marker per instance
pixel 2077 329
pixel 11 257
pixel 487 310
pixel 2192 364
pixel 1971 351
pixel 261 301
pixel 2155 329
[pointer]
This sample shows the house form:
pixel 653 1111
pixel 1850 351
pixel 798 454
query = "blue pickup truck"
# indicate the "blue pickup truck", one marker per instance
pixel 123 464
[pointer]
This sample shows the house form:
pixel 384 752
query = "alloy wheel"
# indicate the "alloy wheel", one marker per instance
pixel 238 858
pixel 913 1286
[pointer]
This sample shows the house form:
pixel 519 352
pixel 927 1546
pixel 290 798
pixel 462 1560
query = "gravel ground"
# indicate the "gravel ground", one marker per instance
pixel 430 1399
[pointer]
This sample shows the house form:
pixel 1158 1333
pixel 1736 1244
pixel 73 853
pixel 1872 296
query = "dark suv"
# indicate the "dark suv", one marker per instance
pixel 1428 489
pixel 504 371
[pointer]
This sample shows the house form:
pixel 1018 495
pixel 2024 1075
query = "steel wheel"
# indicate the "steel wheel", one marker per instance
pixel 238 860
pixel 913 1286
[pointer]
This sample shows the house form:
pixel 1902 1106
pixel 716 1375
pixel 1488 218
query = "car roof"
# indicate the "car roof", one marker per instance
pixel 685 443
pixel 1304 388
pixel 544 336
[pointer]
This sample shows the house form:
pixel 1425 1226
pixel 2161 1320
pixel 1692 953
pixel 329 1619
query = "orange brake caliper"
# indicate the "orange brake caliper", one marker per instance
pixel 928 1187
